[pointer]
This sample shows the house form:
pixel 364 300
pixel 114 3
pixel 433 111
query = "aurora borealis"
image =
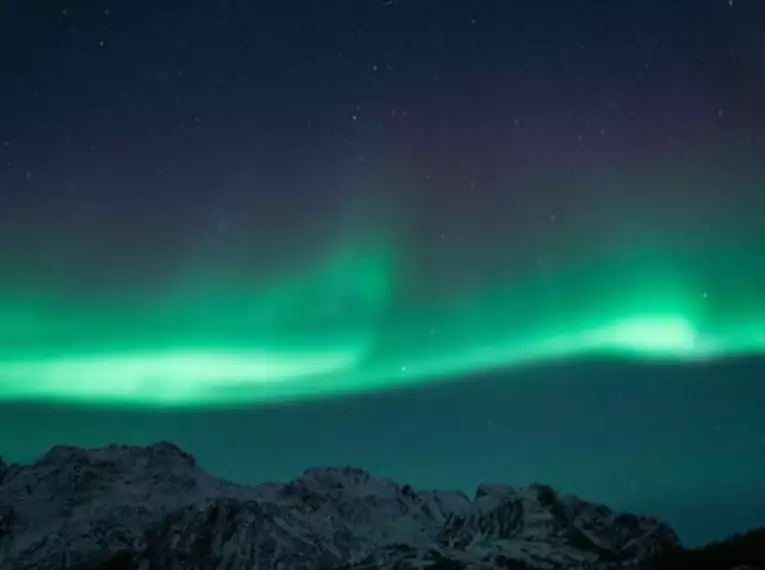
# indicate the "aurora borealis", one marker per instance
pixel 341 326
pixel 448 241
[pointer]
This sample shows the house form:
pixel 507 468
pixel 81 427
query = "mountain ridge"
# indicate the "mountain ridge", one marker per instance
pixel 155 508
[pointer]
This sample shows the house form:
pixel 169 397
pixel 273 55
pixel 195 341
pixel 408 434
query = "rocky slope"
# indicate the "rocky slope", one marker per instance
pixel 154 508
pixel 737 552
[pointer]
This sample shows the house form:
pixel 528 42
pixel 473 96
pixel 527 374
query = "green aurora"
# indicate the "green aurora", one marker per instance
pixel 349 323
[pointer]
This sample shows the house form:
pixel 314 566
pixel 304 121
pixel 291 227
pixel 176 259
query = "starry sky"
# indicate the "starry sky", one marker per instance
pixel 450 242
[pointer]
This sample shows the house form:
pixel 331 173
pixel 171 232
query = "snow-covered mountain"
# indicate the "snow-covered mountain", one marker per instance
pixel 154 508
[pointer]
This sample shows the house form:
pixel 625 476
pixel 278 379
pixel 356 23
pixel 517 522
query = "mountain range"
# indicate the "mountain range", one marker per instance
pixel 153 508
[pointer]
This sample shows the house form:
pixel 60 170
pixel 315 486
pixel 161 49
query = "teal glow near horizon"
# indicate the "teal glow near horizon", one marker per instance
pixel 347 324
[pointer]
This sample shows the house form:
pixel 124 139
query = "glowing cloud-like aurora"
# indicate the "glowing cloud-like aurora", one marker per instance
pixel 347 325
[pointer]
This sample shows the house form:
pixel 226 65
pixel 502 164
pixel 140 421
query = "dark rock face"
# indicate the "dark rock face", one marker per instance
pixel 153 508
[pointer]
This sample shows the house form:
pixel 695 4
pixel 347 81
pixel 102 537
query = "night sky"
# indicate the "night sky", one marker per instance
pixel 448 241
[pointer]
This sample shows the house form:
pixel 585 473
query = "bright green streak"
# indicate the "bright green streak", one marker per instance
pixel 347 324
